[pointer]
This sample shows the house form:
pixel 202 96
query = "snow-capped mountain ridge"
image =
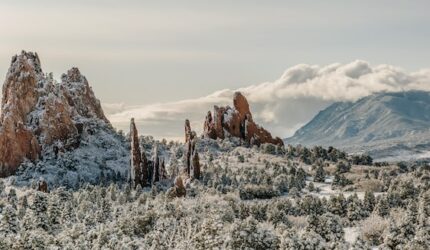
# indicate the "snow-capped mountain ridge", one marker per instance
pixel 378 124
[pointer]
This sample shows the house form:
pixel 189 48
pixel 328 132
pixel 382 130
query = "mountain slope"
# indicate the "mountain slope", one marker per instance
pixel 383 125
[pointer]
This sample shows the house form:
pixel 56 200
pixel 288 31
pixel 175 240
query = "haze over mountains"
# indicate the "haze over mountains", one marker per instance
pixel 282 105
pixel 383 125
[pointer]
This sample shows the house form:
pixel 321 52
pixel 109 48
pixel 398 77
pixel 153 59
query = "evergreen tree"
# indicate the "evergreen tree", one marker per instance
pixel 12 198
pixel 9 221
pixel 382 207
pixel 67 214
pixel 393 239
pixel 354 208
pixel 37 217
pixel 338 205
pixel 22 206
pixel 248 234
pixel 340 180
pixel 54 211
pixel 369 202
pixel 319 174
pixel 328 226
pixel 343 167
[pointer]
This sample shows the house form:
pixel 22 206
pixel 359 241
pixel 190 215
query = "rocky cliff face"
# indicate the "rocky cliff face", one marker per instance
pixel 139 163
pixel 144 172
pixel 37 112
pixel 192 162
pixel 237 122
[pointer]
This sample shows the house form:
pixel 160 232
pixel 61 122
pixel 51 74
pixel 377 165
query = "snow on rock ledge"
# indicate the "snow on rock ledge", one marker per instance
pixel 237 122
pixel 40 116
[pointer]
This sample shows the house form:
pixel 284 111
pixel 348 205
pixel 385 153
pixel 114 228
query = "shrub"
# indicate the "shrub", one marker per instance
pixel 249 234
pixel 269 149
pixel 241 158
pixel 250 192
pixel 373 229
pixel 281 183
pixel 343 167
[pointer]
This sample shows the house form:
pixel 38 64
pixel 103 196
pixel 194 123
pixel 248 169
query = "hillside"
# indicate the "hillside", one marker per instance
pixel 383 125
pixel 72 182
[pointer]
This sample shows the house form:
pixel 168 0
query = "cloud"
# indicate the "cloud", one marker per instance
pixel 283 105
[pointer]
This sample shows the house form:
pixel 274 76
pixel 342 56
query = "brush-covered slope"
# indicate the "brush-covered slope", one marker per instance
pixel 383 124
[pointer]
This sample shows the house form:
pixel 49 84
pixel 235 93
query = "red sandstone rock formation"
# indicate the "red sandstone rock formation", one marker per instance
pixel 42 186
pixel 37 112
pixel 138 164
pixel 188 133
pixel 179 187
pixel 80 95
pixel 237 122
pixel 209 126
pixel 155 167
pixel 192 163
pixel 195 165
pixel 20 97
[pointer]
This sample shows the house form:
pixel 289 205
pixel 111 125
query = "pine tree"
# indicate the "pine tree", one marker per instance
pixel 328 226
pixel 9 221
pixel 343 167
pixel 67 214
pixel 22 206
pixel 54 211
pixel 247 234
pixel 210 236
pixel 138 192
pixel 369 202
pixel 2 188
pixel 361 244
pixel 354 209
pixel 382 207
pixel 422 235
pixel 113 192
pixel 36 217
pixel 319 174
pixel 338 205
pixel 12 198
pixel 393 239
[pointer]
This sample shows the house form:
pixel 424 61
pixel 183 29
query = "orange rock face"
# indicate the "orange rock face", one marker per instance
pixel 237 122
pixel 37 112
pixel 80 96
pixel 188 133
pixel 20 96
pixel 139 163
pixel 42 186
pixel 192 162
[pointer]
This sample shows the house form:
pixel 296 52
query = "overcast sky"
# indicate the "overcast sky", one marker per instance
pixel 146 55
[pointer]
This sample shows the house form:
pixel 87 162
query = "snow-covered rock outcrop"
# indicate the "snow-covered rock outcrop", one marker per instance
pixel 45 124
pixel 237 122
pixel 192 162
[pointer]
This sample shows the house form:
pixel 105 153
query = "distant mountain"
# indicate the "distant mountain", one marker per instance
pixel 389 126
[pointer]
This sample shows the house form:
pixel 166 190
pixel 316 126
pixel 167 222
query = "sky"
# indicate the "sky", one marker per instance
pixel 165 61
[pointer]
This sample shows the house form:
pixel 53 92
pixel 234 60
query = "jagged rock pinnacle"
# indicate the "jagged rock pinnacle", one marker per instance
pixel 237 122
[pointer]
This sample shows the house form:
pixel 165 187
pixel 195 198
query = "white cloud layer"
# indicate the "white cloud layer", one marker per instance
pixel 282 106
